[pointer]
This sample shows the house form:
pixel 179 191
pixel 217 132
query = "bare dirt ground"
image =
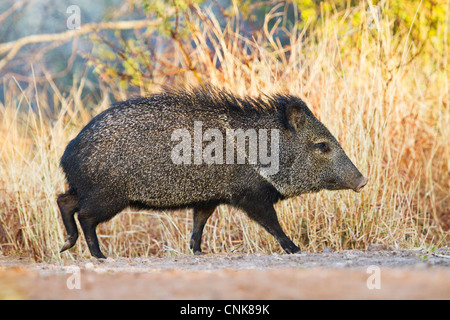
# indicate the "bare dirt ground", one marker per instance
pixel 376 274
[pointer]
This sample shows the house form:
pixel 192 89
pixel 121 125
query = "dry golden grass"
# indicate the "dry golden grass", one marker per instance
pixel 389 111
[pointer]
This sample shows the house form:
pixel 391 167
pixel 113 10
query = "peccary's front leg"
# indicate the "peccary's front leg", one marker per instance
pixel 265 214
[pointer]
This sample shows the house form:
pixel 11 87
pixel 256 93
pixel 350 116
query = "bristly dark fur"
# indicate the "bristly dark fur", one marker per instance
pixel 122 158
pixel 210 98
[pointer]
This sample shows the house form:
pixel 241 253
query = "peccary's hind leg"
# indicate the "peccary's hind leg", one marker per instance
pixel 89 225
pixel 68 205
pixel 93 211
pixel 201 215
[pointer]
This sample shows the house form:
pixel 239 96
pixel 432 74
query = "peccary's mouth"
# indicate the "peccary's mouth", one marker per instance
pixel 332 184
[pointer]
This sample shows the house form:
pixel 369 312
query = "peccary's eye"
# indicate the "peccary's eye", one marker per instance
pixel 322 146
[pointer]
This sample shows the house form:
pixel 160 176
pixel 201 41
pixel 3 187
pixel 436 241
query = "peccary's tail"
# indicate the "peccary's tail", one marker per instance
pixel 68 205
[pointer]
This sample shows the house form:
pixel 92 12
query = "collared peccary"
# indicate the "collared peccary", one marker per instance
pixel 199 148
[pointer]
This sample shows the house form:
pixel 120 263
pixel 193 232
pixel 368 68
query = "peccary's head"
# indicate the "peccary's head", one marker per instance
pixel 313 157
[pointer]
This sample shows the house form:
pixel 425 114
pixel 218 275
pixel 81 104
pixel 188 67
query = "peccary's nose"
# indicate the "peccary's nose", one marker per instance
pixel 362 182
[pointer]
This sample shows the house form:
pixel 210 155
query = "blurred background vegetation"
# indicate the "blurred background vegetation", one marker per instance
pixel 375 72
pixel 136 62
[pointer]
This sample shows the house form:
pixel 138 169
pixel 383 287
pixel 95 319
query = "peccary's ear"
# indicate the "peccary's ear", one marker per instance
pixel 295 116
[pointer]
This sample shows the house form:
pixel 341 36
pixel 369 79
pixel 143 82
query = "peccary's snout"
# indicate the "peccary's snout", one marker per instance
pixel 346 175
pixel 361 182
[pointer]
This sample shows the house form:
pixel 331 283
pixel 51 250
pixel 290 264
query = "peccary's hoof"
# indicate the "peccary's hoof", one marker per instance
pixel 67 245
pixel 198 253
pixel 292 249
pixel 99 255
